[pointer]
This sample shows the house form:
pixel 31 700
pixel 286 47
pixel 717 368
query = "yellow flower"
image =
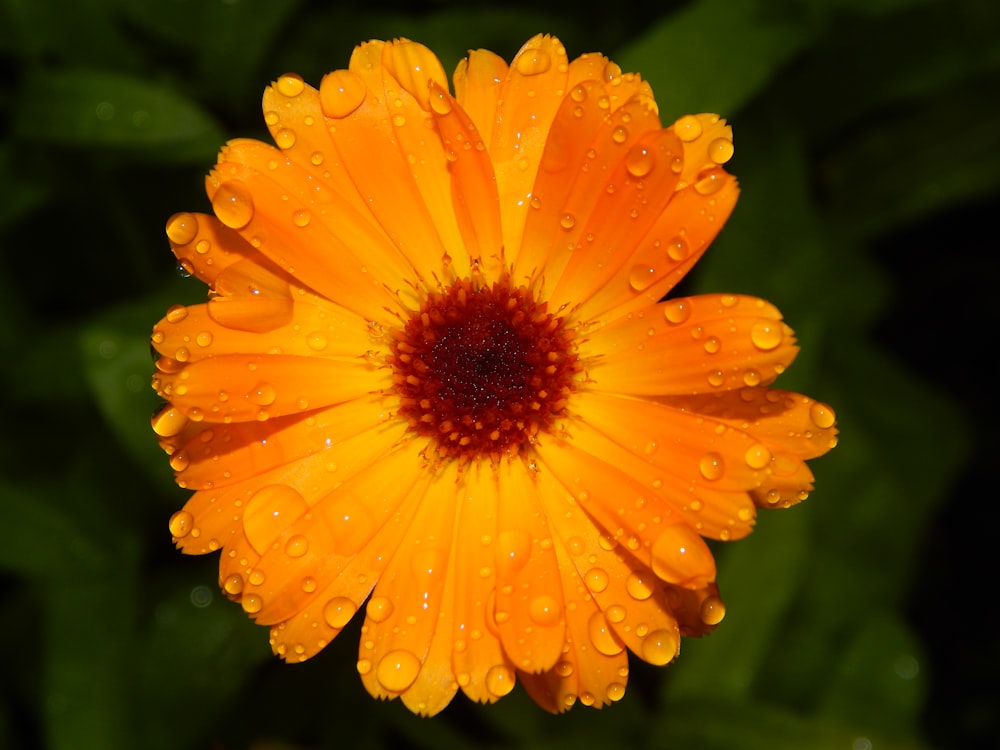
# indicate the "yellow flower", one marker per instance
pixel 434 374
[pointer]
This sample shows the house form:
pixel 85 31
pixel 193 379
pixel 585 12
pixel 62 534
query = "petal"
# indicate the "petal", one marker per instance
pixel 529 99
pixel 410 650
pixel 303 329
pixel 693 345
pixel 247 387
pixel 478 79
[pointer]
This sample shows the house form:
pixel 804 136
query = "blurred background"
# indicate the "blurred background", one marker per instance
pixel 868 149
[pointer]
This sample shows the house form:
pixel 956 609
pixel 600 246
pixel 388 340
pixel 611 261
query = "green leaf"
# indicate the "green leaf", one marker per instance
pixel 113 112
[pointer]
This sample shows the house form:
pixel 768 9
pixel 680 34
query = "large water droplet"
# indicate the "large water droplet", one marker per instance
pixel 338 611
pixel 397 670
pixel 182 228
pixel 169 422
pixel 233 585
pixel 296 546
pixel 639 161
pixel 270 511
pixel 181 524
pixel 688 128
pixel 180 460
pixel 712 610
pixel 677 311
pixel 712 466
pixel 641 276
pixel 285 138
pixel 340 93
pixel 767 334
pixel 659 647
pixel 500 680
pixel 532 62
pixel 290 85
pixel 601 636
pixel 379 609
pixel 822 415
pixel 758 456
pixel 544 610
pixel 513 551
pixel 440 102
pixel 263 394
pixel 710 181
pixel 597 579
pixel 680 556
pixel 639 586
pixel 720 150
pixel 252 604
pixel 233 204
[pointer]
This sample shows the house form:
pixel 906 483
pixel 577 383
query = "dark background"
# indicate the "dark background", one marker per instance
pixel 868 150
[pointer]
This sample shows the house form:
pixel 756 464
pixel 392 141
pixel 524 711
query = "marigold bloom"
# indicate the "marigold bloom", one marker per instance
pixel 434 374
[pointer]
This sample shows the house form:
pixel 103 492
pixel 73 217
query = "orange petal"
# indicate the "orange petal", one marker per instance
pixel 246 387
pixel 692 345
pixel 478 79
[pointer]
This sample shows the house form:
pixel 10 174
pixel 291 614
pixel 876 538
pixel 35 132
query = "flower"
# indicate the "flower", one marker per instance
pixel 434 379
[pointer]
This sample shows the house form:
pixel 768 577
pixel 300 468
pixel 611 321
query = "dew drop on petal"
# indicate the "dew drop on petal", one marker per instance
pixel 513 549
pixel 233 585
pixel 296 546
pixel 767 334
pixel 379 609
pixel 269 512
pixel 176 314
pixel 659 647
pixel 181 524
pixel 720 150
pixel 544 610
pixel 678 249
pixel 688 128
pixel 233 204
pixel 601 636
pixel 568 221
pixel 533 62
pixel 681 557
pixel 677 311
pixel 822 415
pixel 290 85
pixel 597 579
pixel 301 218
pixel 263 394
pixel 439 101
pixel 340 93
pixel 710 181
pixel 641 276
pixel 620 135
pixel 182 228
pixel 397 670
pixel 639 161
pixel 179 461
pixel 758 456
pixel 169 422
pixel 639 586
pixel 712 610
pixel 615 692
pixel 252 604
pixel 285 138
pixel 338 611
pixel 500 680
pixel 711 466
pixel 317 341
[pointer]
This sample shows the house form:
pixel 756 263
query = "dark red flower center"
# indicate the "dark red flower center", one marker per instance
pixel 482 369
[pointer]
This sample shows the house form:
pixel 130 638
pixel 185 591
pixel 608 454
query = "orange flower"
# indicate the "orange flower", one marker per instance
pixel 434 375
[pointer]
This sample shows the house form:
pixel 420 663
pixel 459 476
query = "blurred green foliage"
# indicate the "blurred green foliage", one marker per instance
pixel 857 122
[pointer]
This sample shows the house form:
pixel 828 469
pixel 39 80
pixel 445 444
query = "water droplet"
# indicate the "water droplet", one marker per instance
pixel 290 85
pixel 500 680
pixel 440 102
pixel 176 314
pixel 180 461
pixel 767 334
pixel 182 228
pixel 751 378
pixel 398 120
pixel 256 577
pixel 578 94
pixel 263 394
pixel 615 614
pixel 822 415
pixel 688 128
pixel 309 584
pixel 641 276
pixel 301 218
pixel 710 181
pixel 338 611
pixel 513 550
pixel 568 221
pixel 712 610
pixel 397 670
pixel 597 579
pixel 233 204
pixel 168 422
pixel 252 604
pixel 181 524
pixel 615 692
pixel 317 341
pixel 601 636
pixel 677 311
pixel 619 135
pixel 678 249
pixel 204 338
pixel 639 161
pixel 544 610
pixel 711 466
pixel 639 586
pixel 712 345
pixel 716 378
pixel 379 609
pixel 680 556
pixel 659 647
pixel 233 585
pixel 270 511
pixel 296 546
pixel 340 93
pixel 285 138
pixel 758 456
pixel 720 150
pixel 532 62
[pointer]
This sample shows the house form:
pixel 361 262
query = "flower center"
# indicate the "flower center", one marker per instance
pixel 481 370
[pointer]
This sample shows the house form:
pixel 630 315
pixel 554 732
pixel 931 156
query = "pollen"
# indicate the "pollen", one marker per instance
pixel 482 370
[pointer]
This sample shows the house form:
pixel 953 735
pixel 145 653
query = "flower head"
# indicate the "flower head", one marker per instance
pixel 434 380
